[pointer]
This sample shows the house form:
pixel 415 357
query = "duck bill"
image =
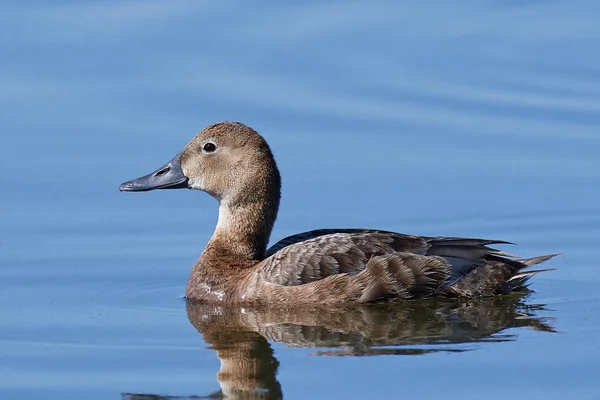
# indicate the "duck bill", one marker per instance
pixel 169 176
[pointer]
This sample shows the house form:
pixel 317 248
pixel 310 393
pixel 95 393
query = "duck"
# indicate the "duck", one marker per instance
pixel 234 164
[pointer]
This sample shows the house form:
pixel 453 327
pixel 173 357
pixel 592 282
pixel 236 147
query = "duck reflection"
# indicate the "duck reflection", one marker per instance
pixel 240 336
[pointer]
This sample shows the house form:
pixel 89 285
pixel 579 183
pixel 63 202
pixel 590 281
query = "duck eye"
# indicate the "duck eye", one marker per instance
pixel 209 147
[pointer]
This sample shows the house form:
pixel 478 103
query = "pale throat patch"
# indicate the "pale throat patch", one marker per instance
pixel 196 183
pixel 224 221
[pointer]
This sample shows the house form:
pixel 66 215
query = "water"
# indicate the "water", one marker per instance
pixel 471 119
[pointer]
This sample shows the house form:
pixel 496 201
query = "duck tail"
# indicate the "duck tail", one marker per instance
pixel 538 260
pixel 520 280
pixel 497 275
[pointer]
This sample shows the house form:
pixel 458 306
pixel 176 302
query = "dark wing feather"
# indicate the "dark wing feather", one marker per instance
pixel 464 254
pixel 304 236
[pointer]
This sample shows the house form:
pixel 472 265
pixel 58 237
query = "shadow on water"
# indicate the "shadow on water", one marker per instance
pixel 241 336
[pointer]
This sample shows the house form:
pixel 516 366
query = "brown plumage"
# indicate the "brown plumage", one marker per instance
pixel 234 164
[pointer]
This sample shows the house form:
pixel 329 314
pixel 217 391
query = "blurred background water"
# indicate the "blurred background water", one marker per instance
pixel 471 118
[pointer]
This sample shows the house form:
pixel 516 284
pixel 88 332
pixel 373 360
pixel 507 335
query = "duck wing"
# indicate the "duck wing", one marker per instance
pixel 403 265
pixel 314 255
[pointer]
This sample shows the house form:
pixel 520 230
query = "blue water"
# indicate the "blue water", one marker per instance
pixel 476 118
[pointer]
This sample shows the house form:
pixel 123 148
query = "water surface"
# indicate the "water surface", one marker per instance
pixel 473 119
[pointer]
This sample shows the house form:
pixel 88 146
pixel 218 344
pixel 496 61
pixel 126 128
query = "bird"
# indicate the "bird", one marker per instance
pixel 234 164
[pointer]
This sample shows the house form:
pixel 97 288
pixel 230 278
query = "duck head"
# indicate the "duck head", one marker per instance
pixel 228 160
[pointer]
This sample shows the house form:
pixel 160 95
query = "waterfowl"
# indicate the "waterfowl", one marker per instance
pixel 234 164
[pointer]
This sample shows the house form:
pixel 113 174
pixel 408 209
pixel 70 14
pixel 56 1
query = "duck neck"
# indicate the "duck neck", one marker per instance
pixel 238 244
pixel 244 228
pixel 246 218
